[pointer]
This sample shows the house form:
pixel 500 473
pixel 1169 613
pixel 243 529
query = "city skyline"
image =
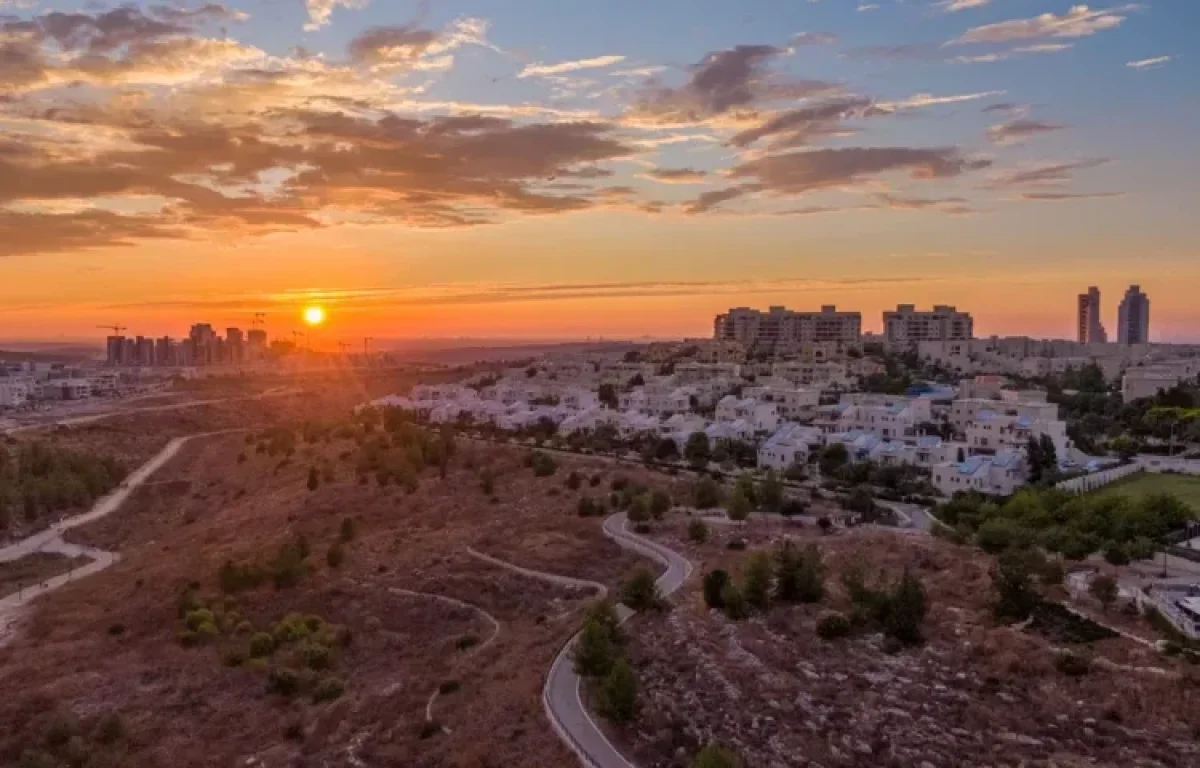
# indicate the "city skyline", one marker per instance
pixel 461 169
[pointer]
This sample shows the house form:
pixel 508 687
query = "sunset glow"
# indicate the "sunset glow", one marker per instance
pixel 314 315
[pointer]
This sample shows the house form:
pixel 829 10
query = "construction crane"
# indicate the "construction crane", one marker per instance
pixel 343 346
pixel 367 346
pixel 116 329
pixel 260 318
pixel 297 335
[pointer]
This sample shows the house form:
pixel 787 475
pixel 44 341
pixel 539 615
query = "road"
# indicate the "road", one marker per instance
pixel 561 694
pixel 51 539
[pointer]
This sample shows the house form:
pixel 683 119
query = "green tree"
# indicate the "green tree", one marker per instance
pixel 698 531
pixel 714 588
pixel 770 492
pixel 608 396
pixel 707 493
pixel 640 592
pixel 618 700
pixel 739 506
pixel 733 602
pixel 1104 588
pixel 906 611
pixel 799 574
pixel 833 458
pixel 697 450
pixel 595 652
pixel 756 586
pixel 639 509
pixel 1125 446
pixel 1012 577
pixel 660 504
pixel 346 531
pixel 716 756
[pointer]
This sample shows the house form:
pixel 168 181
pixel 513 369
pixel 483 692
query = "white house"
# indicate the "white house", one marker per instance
pixel 999 475
pixel 992 431
pixel 793 403
pixel 764 417
pixel 791 444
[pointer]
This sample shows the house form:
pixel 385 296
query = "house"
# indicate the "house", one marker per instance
pixel 992 431
pixel 681 426
pixel 998 475
pixel 792 403
pixel 891 417
pixel 791 444
pixel 739 430
pixel 764 417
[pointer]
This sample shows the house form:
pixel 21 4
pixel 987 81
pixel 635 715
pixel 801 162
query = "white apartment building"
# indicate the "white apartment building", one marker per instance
pixel 791 444
pixel 781 326
pixel 889 416
pixel 992 431
pixel 793 403
pixel 907 326
pixel 1148 381
pixel 805 373
pixel 659 398
pixel 965 411
pixel 999 475
pixel 694 372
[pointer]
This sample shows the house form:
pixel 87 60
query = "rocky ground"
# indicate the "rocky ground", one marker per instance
pixel 975 694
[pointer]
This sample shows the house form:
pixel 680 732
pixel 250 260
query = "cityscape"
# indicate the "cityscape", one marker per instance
pixel 682 384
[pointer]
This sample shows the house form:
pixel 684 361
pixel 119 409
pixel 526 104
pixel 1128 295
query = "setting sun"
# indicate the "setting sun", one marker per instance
pixel 314 315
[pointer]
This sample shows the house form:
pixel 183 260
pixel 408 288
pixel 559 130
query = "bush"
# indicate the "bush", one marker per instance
pixel 1053 573
pixel 906 611
pixel 736 544
pixel 316 655
pixel 1072 665
pixel 595 652
pixel 448 687
pixel 335 556
pixel 594 480
pixel 261 645
pixel 1115 553
pixel 706 494
pixel 832 626
pixel 328 689
pixel 799 574
pixel 733 602
pixel 543 465
pixel 589 508
pixel 825 524
pixel 660 504
pixel 641 592
pixel 574 481
pixel 110 729
pixel 314 479
pixel 714 586
pixel 466 642
pixel 698 531
pixel 283 681
pixel 1016 595
pixel 618 694
pixel 199 617
pixel 347 531
pixel 756 586
pixel 715 756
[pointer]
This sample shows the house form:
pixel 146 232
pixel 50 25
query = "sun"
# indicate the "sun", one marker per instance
pixel 314 315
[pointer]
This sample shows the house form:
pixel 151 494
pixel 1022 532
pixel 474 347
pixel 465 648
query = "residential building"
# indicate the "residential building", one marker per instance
pixel 762 416
pixel 1090 328
pixel 16 391
pixel 888 416
pixel 823 376
pixel 779 326
pixel 256 344
pixel 907 326
pixel 999 475
pixel 1133 319
pixel 1147 381
pixel 791 443
pixel 792 403
pixel 115 349
pixel 235 345
pixel 145 351
pixel 993 431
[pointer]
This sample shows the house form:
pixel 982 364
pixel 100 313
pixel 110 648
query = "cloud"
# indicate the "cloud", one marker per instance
pixel 864 7
pixel 799 127
pixel 1059 197
pixel 814 38
pixel 675 175
pixel 796 173
pixel 598 62
pixel 1044 173
pixel 1146 63
pixel 1078 21
pixel 953 6
pixel 398 46
pixel 319 11
pixel 902 203
pixel 1011 53
pixel 710 200
pixel 732 81
pixel 1003 106
pixel 929 100
pixel 1018 130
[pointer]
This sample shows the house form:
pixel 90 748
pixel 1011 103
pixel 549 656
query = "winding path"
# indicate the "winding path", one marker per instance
pixel 561 692
pixel 457 604
pixel 51 540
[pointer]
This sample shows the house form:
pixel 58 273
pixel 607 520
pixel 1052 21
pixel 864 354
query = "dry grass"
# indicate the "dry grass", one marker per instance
pixel 31 569
pixel 109 643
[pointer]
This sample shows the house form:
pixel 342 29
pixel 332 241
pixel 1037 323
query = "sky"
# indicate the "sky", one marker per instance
pixel 562 170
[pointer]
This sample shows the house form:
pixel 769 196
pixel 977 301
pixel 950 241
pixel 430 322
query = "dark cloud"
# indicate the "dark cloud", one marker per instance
pixel 724 82
pixel 796 173
pixel 1002 107
pixel 25 233
pixel 676 175
pixel 1046 173
pixel 391 46
pixel 798 127
pixel 709 200
pixel 1019 130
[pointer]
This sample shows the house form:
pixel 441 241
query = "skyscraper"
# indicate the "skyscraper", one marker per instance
pixel 1134 317
pixel 1091 329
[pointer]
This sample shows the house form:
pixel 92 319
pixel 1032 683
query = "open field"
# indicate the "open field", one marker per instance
pixel 973 694
pixel 112 643
pixel 1137 487
pixel 34 568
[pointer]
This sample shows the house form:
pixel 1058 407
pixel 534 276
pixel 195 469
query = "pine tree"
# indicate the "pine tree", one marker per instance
pixel 618 694
pixel 757 584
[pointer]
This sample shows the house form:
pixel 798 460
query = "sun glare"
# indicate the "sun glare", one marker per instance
pixel 314 315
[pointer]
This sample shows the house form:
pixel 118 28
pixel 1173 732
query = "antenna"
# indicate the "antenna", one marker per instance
pixel 367 346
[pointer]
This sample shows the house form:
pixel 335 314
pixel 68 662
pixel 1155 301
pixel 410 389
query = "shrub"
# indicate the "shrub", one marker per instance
pixel 328 689
pixel 714 586
pixel 1116 554
pixel 733 602
pixel 316 655
pixel 906 610
pixel 314 479
pixel 283 681
pixel 639 509
pixel 542 464
pixel 574 481
pixel 347 531
pixel 116 629
pixel 715 756
pixel 736 544
pixel 188 638
pixel 825 524
pixel 641 592
pixel 335 556
pixel 466 642
pixel 660 504
pixel 110 729
pixel 198 617
pixel 448 687
pixel 756 587
pixel 1053 573
pixel 698 531
pixel 618 694
pixel 595 652
pixel 799 574
pixel 1016 594
pixel 1104 588
pixel 1072 665
pixel 261 645
pixel 589 508
pixel 594 480
pixel 832 626
pixel 234 657
pixel 706 494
